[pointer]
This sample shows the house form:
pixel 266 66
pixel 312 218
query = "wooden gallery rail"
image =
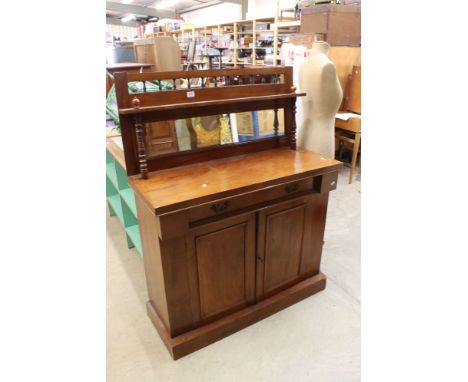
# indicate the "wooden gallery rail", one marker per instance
pixel 230 233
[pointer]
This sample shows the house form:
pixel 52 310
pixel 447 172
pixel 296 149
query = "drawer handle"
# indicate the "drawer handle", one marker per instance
pixel 291 187
pixel 218 207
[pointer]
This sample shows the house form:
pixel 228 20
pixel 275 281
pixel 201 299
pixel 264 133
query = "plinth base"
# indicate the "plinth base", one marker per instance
pixel 198 338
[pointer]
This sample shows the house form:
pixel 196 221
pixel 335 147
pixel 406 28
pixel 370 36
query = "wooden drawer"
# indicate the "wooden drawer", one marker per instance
pixel 172 224
pixel 327 182
pixel 265 195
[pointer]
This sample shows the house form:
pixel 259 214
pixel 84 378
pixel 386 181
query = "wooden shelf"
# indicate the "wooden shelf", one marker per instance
pixel 202 104
pixel 284 24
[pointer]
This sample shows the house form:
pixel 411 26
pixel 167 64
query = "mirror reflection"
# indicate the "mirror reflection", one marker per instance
pixel 198 132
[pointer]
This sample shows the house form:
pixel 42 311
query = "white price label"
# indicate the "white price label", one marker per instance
pixel 190 94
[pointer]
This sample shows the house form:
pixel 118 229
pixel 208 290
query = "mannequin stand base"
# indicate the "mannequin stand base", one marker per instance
pixel 198 338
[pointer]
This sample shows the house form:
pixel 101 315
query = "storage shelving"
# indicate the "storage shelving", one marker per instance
pixel 283 29
pixel 120 197
pixel 266 34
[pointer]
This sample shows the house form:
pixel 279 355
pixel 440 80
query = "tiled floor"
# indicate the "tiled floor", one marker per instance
pixel 317 339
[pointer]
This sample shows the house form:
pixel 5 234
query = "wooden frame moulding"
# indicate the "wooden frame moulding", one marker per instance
pixel 235 90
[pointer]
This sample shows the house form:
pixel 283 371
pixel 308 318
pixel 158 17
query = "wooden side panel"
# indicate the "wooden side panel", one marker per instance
pixel 283 249
pixel 314 228
pixel 181 284
pixel 152 259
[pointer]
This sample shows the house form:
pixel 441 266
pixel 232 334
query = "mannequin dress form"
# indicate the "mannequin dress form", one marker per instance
pixel 318 78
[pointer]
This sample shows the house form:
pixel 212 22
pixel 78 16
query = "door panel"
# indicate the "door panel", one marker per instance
pixel 225 258
pixel 283 248
pixel 160 138
pixel 289 243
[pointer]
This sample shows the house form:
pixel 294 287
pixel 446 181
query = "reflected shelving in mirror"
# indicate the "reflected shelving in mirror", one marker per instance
pixel 166 137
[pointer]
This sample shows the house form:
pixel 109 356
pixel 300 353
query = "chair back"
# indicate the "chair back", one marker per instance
pixel 167 57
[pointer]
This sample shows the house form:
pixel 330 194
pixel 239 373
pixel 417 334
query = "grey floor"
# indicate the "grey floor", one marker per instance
pixel 317 339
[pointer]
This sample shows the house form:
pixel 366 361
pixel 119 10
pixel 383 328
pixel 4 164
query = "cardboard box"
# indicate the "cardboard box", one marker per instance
pixel 305 39
pixel 339 25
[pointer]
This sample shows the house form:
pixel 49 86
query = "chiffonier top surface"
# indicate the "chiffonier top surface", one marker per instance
pixel 177 188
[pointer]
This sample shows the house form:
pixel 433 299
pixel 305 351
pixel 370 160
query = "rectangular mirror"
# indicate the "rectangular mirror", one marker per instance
pixel 214 130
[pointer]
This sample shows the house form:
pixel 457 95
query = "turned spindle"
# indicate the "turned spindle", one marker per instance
pixel 276 123
pixel 141 148
pixel 136 103
pixel 293 126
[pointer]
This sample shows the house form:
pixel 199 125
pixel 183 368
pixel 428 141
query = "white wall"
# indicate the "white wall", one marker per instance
pixel 267 8
pixel 216 14
pixel 229 12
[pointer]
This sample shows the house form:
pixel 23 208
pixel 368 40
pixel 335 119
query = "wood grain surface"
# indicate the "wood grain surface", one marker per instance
pixel 115 151
pixel 171 189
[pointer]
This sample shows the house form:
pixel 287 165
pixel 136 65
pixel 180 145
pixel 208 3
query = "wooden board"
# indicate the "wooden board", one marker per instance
pixel 171 189
pixel 353 100
pixel 344 58
pixel 162 53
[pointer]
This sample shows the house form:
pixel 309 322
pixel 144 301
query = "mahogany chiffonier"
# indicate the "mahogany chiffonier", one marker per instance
pixel 231 233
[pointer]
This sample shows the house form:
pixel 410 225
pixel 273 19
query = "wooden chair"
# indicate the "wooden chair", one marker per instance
pixel 350 130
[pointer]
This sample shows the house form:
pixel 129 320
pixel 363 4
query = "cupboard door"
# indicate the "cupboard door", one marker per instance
pixel 290 238
pixel 224 254
pixel 161 138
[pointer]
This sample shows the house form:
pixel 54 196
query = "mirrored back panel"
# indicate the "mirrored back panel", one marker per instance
pixel 214 130
pixel 169 119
